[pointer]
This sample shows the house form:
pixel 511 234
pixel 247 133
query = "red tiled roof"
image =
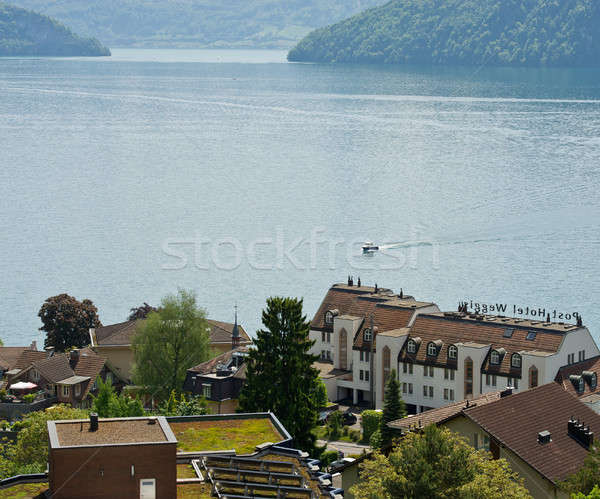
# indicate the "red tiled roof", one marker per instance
pixel 28 357
pixel 9 356
pixel 55 368
pixel 562 377
pixel 89 365
pixel 453 329
pixel 516 420
pixel 123 333
pixel 442 414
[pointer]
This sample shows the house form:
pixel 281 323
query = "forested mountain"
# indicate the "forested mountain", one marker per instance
pixel 473 32
pixel 23 32
pixel 198 23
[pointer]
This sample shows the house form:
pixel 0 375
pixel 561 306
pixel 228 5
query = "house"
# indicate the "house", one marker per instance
pixel 539 432
pixel 10 355
pixel 345 339
pixel 71 377
pixel 581 379
pixel 114 341
pixel 117 458
pixel 219 380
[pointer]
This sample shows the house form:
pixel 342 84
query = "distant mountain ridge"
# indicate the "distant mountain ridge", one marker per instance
pixel 469 32
pixel 198 23
pixel 26 33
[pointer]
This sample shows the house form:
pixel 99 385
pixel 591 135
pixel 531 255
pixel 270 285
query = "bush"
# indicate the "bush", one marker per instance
pixel 355 435
pixel 334 425
pixel 29 398
pixel 371 422
pixel 3 395
pixel 328 457
pixel 376 440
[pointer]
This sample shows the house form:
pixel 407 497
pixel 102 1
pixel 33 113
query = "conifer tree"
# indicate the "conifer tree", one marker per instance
pixel 280 376
pixel 393 408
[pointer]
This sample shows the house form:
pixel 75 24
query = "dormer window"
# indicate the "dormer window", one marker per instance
pixel 328 318
pixel 368 336
pixel 411 346
pixel 494 358
pixel 591 378
pixel 578 383
pixel 452 352
pixel 515 361
pixel 432 349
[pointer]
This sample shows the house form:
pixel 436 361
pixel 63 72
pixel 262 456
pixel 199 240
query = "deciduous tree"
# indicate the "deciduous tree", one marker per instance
pixel 587 477
pixel 168 343
pixel 67 321
pixel 109 404
pixel 280 376
pixel 437 464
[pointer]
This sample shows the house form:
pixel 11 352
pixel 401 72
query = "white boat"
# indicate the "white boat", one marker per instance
pixel 369 247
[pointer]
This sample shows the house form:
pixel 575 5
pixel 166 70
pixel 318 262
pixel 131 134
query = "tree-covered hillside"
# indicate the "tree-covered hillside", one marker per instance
pixel 198 23
pixel 473 32
pixel 23 32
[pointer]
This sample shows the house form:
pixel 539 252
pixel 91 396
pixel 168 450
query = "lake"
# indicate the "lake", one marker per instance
pixel 240 176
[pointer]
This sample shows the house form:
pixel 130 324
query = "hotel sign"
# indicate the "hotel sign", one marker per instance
pixel 539 313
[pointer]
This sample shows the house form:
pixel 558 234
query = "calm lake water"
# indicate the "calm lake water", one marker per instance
pixel 241 176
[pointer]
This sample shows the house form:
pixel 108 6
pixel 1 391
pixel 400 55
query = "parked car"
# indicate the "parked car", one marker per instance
pixel 349 418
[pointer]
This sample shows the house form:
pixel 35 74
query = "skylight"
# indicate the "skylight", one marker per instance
pixel 531 335
pixel 508 332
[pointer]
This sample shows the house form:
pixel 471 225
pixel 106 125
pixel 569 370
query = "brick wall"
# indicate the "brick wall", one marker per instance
pixel 105 472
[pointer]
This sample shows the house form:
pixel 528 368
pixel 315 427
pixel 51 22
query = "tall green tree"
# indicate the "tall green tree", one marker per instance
pixel 67 321
pixel 280 375
pixel 168 342
pixel 393 408
pixel 140 312
pixel 437 464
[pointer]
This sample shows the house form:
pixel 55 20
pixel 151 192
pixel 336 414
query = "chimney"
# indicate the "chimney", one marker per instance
pixel 93 421
pixel 581 433
pixel 401 294
pixel 33 345
pixel 73 358
pixel 376 288
pixel 49 351
pixel 579 321
pixel 358 283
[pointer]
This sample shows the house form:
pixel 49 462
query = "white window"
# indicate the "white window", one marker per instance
pixel 428 371
pixel 411 346
pixel 366 375
pixel 65 391
pixel 486 442
pixel 514 383
pixel 35 375
pixel 206 390
pixel 515 360
pixel 328 318
pixel 77 390
pixel 452 352
pixel 571 358
pixel 581 355
pixel 425 391
pixel 445 393
pixel 451 394
pixel 494 358
pixel 367 335
pixel 493 380
pixel 432 349
pixel 449 374
pixel 361 375
pixel 431 392
pixel 410 388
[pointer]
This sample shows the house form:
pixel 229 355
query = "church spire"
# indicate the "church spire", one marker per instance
pixel 235 334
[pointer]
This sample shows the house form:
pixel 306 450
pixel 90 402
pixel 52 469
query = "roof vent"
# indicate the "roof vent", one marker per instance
pixel 544 437
pixel 152 420
pixel 506 392
pixel 93 421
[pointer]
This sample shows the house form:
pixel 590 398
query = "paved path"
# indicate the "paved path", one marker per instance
pixel 348 448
